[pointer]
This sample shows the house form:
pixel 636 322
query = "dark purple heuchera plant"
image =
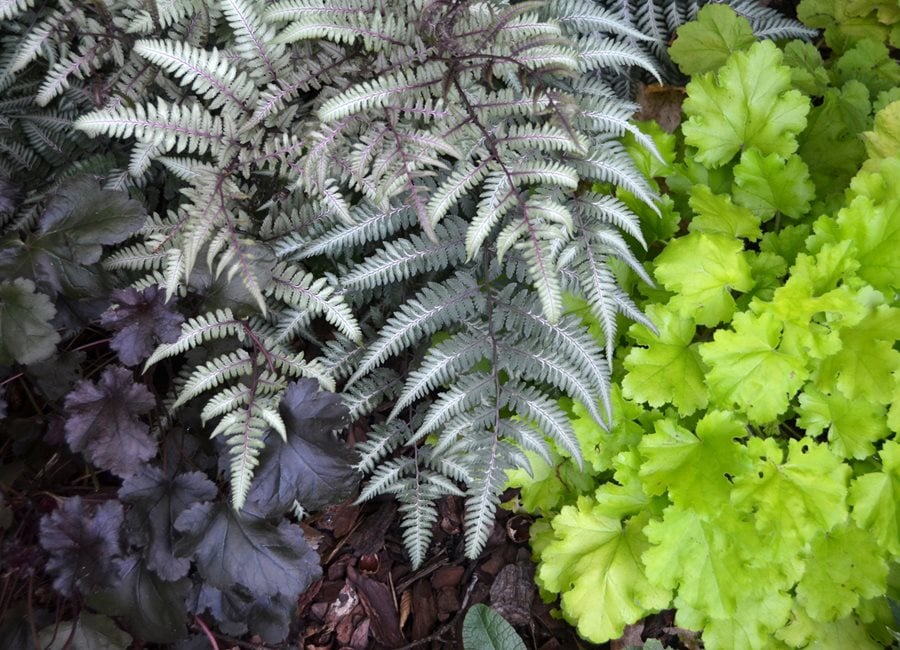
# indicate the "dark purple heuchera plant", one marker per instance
pixel 141 320
pixel 167 545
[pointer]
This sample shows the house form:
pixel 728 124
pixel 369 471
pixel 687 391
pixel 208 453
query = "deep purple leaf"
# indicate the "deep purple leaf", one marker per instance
pixel 141 320
pixel 313 466
pixel 304 406
pixel 155 609
pixel 237 612
pixel 156 501
pixel 103 421
pixel 83 544
pixel 231 549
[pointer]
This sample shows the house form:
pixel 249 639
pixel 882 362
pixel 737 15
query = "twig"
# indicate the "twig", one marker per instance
pixel 31 624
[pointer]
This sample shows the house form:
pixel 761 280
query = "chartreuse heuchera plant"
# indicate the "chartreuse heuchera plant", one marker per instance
pixel 751 477
pixel 230 227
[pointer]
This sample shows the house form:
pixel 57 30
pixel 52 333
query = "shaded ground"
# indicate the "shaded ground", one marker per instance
pixel 370 598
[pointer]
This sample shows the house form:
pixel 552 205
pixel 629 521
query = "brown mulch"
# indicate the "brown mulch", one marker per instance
pixel 370 598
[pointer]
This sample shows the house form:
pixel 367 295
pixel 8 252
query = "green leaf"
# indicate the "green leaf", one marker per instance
pixel 77 221
pixel 668 369
pixel 853 426
pixel 594 561
pixel 871 63
pixel 748 370
pixel 831 145
pixel 702 270
pixel 787 243
pixel 715 213
pixel 797 497
pixel 26 335
pixel 843 565
pixel 705 43
pixel 748 103
pixel 808 71
pixel 484 629
pixel 91 632
pixel 694 467
pixel 875 499
pixel 768 185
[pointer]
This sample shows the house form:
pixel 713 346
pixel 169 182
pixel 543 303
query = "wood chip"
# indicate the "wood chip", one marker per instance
pixel 379 606
pixel 513 592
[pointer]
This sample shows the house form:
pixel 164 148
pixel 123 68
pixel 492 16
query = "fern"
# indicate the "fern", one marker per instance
pixel 403 189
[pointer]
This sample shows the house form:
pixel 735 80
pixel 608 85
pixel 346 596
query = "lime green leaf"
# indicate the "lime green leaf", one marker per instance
pixel 26 335
pixel 877 181
pixel 702 270
pixel 875 498
pixel 594 561
pixel 748 370
pixel 760 614
pixel 810 310
pixel 644 159
pixel 804 632
pixel 669 368
pixel 853 426
pixel 798 497
pixel 873 228
pixel 622 501
pixel 551 485
pixel 843 565
pixel 694 468
pixel 807 67
pixel 705 43
pixel 748 104
pixel 485 629
pixel 704 559
pixel 770 184
pixel 715 213
pixel 866 366
pixel 600 446
pixel 884 140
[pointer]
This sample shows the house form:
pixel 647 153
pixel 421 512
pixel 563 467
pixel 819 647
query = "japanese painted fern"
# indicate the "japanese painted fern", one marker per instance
pixel 427 177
